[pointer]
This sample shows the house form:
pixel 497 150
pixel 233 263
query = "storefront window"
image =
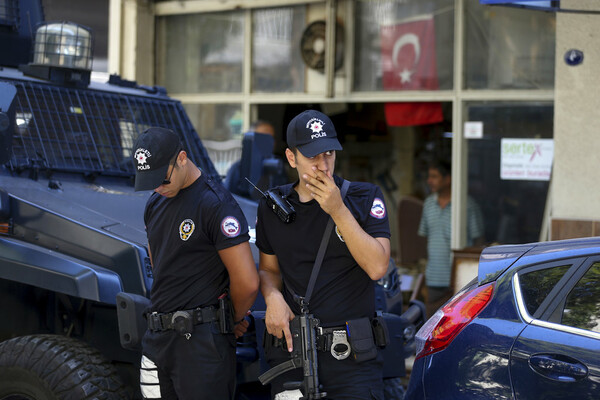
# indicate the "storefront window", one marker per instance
pixel 509 167
pixel 216 121
pixel 276 62
pixel 201 53
pixel 508 48
pixel 403 45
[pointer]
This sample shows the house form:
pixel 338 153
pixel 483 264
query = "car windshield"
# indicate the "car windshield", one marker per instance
pixel 90 131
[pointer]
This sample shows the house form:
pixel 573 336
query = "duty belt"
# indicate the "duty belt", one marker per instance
pixel 164 321
pixel 333 340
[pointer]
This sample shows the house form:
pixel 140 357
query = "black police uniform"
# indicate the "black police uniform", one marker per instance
pixel 184 234
pixel 343 290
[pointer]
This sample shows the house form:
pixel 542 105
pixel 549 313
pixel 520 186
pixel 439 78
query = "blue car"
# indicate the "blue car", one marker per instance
pixel 528 327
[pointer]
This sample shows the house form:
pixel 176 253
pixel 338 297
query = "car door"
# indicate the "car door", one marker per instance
pixel 557 355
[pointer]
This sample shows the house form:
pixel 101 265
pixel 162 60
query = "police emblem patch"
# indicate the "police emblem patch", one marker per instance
pixel 378 208
pixel 186 228
pixel 316 126
pixel 141 156
pixel 337 231
pixel 230 227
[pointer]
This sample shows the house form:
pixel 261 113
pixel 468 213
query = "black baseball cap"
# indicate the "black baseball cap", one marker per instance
pixel 152 152
pixel 312 133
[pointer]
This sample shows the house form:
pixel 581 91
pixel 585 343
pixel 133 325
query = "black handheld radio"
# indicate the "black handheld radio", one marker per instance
pixel 278 203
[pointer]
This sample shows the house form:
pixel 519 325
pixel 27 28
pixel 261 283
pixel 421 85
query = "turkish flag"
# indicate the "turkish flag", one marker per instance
pixel 409 114
pixel 408 60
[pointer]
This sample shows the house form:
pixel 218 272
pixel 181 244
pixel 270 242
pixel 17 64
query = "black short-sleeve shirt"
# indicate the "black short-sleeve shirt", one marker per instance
pixel 185 234
pixel 343 290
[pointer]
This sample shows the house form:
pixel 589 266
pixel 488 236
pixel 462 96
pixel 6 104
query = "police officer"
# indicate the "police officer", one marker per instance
pixel 357 254
pixel 198 246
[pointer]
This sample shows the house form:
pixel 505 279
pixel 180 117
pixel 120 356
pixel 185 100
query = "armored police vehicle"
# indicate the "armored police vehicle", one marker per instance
pixel 71 226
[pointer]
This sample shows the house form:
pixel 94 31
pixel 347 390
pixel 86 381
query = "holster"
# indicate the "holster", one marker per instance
pixel 380 331
pixel 225 317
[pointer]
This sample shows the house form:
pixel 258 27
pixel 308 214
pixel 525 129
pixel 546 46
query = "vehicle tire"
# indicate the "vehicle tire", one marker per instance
pixel 51 367
pixel 393 389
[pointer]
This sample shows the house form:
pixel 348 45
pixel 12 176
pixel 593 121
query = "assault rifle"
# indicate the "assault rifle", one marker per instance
pixel 304 339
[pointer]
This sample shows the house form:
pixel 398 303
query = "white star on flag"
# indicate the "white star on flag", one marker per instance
pixel 405 75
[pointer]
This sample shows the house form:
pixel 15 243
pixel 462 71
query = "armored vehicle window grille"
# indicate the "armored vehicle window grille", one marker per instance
pixel 67 129
pixel 9 13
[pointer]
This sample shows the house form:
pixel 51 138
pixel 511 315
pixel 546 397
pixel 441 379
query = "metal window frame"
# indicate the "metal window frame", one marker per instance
pixel 518 296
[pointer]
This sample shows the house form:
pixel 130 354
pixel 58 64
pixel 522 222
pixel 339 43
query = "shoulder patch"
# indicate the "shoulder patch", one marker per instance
pixel 230 227
pixel 186 228
pixel 378 208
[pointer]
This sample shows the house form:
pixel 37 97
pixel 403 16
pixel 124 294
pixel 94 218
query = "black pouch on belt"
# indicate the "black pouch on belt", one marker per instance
pixel 360 336
pixel 225 314
pixel 380 331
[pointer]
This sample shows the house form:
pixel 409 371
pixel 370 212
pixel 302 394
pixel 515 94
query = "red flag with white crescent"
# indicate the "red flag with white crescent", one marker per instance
pixel 409 63
pixel 408 51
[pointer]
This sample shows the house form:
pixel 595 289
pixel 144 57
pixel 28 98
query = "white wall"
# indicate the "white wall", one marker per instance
pixel 576 172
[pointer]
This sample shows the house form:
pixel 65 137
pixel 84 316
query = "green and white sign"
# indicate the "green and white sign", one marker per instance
pixel 526 159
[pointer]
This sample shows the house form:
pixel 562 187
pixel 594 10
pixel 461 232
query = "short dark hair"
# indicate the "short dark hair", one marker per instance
pixel 443 166
pixel 258 123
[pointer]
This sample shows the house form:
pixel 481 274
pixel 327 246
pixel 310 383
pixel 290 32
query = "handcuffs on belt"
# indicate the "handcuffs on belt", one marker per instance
pixel 340 348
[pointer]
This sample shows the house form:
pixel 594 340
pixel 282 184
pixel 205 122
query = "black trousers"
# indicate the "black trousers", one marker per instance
pixel 341 379
pixel 201 368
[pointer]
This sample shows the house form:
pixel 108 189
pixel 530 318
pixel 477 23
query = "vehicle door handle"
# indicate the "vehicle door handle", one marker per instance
pixel 558 367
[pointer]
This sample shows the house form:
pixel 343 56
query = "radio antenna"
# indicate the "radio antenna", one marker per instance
pixel 260 191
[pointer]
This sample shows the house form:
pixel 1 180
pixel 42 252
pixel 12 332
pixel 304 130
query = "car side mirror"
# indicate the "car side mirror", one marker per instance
pixel 8 94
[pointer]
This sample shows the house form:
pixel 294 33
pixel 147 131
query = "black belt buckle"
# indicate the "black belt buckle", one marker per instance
pixel 207 314
pixel 183 323
pixel 154 322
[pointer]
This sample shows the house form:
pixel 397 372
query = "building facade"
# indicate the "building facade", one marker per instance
pixel 405 81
